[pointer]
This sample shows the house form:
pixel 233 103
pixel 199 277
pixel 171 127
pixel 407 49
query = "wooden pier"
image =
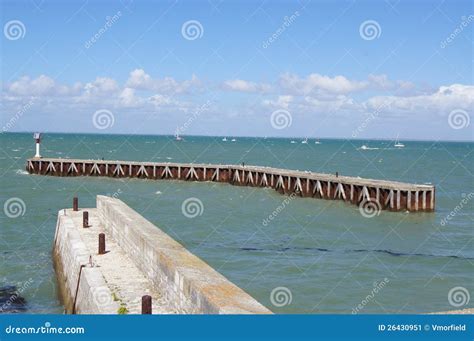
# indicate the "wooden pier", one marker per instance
pixel 385 195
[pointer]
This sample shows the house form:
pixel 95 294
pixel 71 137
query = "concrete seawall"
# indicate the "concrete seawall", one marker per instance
pixel 140 260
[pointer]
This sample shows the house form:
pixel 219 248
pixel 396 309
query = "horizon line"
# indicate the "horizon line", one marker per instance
pixel 241 136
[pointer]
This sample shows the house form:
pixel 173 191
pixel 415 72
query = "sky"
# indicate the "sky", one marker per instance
pixel 317 69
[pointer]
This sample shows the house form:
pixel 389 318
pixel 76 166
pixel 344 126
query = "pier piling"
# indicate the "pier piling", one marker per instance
pixel 146 304
pixel 75 204
pixel 85 219
pixel 101 243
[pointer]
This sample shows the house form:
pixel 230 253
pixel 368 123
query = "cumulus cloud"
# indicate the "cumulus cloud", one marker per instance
pixel 442 101
pixel 245 86
pixel 319 84
pixel 140 80
pixel 308 95
pixel 40 86
pixel 280 102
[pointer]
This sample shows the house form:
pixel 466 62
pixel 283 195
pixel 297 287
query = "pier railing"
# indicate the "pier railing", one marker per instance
pixel 383 194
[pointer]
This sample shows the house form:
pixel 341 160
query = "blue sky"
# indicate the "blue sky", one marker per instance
pixel 258 68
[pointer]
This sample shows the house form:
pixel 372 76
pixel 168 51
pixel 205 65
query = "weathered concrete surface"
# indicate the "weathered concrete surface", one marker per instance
pixel 108 283
pixel 140 260
pixel 188 283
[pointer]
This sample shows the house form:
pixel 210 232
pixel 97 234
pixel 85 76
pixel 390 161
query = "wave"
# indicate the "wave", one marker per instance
pixel 387 252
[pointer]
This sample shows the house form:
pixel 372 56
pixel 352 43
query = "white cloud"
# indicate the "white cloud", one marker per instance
pixel 280 102
pixel 319 84
pixel 140 80
pixel 128 99
pixel 311 96
pixel 40 86
pixel 442 101
pixel 101 86
pixel 245 86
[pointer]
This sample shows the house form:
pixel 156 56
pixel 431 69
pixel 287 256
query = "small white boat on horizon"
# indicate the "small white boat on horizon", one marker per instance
pixel 317 142
pixel 233 140
pixel 293 141
pixel 398 144
pixel 305 141
pixel 224 139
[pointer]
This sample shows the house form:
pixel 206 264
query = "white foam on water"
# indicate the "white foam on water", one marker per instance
pixel 22 172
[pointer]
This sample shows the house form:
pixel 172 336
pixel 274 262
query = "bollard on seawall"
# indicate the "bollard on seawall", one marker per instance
pixel 146 304
pixel 75 204
pixel 85 219
pixel 101 243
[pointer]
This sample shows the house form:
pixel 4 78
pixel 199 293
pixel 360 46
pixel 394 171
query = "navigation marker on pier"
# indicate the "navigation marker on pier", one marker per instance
pixel 37 137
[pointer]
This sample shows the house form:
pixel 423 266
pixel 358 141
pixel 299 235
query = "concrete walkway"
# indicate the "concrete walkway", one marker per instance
pixel 126 282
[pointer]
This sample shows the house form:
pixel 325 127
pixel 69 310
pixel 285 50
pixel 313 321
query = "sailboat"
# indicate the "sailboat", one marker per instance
pixel 398 144
pixel 224 139
pixel 177 137
pixel 305 141
pixel 317 142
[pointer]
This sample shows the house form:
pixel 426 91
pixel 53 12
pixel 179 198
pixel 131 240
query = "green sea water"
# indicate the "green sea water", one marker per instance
pixel 320 256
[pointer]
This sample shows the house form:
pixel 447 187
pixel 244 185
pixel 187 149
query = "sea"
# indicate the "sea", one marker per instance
pixel 314 256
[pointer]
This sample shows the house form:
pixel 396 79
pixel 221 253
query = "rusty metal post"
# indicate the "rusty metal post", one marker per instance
pixel 146 304
pixel 101 243
pixel 85 219
pixel 75 204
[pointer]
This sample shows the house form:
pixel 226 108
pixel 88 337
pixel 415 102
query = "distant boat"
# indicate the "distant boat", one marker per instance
pixel 317 142
pixel 398 144
pixel 224 139
pixel 364 147
pixel 233 140
pixel 292 141
pixel 178 138
pixel 305 141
